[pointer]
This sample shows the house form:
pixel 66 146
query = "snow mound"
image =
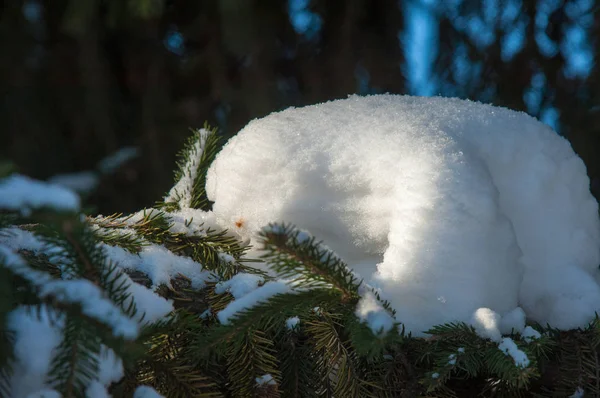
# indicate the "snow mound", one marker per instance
pixel 445 205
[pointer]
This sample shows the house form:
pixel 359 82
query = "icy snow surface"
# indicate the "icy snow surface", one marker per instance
pixel 446 205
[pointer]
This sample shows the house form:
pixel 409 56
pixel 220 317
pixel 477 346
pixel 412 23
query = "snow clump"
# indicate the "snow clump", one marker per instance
pixel 447 206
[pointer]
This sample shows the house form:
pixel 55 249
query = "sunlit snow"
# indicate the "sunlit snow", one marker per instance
pixel 447 206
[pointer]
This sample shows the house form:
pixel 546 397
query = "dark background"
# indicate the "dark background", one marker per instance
pixel 82 78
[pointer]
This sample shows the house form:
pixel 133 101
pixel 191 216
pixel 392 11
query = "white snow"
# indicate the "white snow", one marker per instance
pixel 370 310
pixel 513 321
pixel 81 182
pixel 265 380
pixel 579 393
pixel 452 359
pixel 251 299
pixel 508 347
pixel 22 193
pixel 115 160
pixel 45 393
pixel 192 222
pixel 435 375
pixel 239 285
pixel 16 239
pixel 182 190
pixel 292 323
pixel 37 334
pixel 80 291
pixel 160 264
pixel 486 323
pixel 446 205
pixel 110 367
pixel 96 390
pixel 529 334
pixel 93 304
pixel 146 392
pixel 149 304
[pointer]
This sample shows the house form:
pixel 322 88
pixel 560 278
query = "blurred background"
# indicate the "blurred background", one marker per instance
pixel 83 80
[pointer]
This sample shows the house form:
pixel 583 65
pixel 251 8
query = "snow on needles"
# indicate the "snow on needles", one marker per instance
pixel 251 299
pixel 446 205
pixel 22 193
pixel 182 190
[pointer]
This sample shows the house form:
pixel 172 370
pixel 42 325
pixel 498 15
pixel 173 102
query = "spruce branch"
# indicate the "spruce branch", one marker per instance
pixel 295 255
pixel 337 363
pixel 299 374
pixel 269 315
pixel 192 166
pixel 250 355
pixel 76 361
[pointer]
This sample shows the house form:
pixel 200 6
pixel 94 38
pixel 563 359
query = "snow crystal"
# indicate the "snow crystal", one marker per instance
pixel 265 380
pixel 146 392
pixel 529 334
pixel 370 310
pixel 513 321
pixel 486 323
pixel 435 375
pixel 239 285
pixel 461 350
pixel 82 182
pixel 18 192
pixel 292 323
pixel 428 198
pixel 508 347
pixel 251 299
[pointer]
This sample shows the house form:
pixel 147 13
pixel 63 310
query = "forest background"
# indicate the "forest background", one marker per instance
pixel 81 79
